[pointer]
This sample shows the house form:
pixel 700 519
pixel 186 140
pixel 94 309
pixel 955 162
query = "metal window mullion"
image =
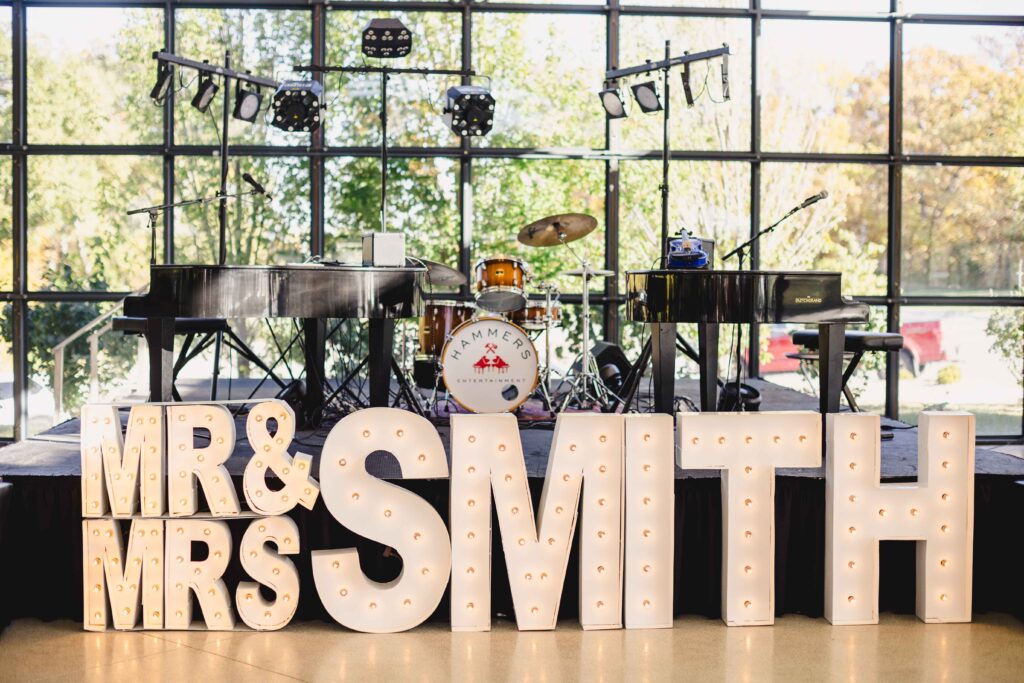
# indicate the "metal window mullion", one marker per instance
pixel 754 339
pixel 612 316
pixel 19 227
pixel 894 224
pixel 465 193
pixel 317 170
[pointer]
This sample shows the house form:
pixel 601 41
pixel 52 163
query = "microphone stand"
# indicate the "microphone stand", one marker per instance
pixel 155 211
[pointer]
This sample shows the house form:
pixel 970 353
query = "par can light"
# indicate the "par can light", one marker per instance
pixel 297 105
pixel 615 105
pixel 647 96
pixel 205 92
pixel 163 83
pixel 247 103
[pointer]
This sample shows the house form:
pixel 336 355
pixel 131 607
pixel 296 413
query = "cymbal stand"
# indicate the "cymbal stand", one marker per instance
pixel 586 388
pixel 545 386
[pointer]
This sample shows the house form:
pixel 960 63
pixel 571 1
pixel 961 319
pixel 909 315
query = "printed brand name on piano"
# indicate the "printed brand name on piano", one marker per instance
pixel 808 300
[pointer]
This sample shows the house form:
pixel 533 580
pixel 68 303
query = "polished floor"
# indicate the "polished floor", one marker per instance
pixel 795 649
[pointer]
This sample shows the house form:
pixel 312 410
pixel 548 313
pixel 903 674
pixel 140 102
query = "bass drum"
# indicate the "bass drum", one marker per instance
pixel 489 365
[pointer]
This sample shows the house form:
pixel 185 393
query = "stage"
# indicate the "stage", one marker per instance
pixel 40 537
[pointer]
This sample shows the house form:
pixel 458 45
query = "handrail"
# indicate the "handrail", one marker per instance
pixel 58 353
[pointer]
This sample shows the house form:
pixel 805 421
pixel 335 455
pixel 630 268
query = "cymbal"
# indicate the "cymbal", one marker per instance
pixel 590 273
pixel 546 231
pixel 443 276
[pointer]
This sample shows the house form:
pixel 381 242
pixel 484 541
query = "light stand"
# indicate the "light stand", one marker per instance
pixel 665 66
pixel 385 75
pixel 227 75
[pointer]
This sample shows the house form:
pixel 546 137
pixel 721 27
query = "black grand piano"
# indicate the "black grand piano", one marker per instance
pixel 310 292
pixel 711 298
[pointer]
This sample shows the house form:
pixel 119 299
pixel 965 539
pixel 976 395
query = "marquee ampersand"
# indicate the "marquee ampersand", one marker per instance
pixel 271 452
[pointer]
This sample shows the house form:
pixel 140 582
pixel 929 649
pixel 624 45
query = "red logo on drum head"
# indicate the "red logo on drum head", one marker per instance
pixel 491 360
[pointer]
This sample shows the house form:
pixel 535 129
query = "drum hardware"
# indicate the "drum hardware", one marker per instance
pixel 586 389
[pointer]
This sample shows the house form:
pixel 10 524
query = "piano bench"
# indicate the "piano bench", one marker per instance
pixel 857 341
pixel 856 344
pixel 181 325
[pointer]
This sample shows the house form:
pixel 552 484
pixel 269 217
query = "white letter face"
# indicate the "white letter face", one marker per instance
pixel 487 455
pixel 203 576
pixel 271 569
pixel 111 463
pixel 127 580
pixel 186 462
pixel 938 512
pixel 385 513
pixel 650 521
pixel 272 452
pixel 747 447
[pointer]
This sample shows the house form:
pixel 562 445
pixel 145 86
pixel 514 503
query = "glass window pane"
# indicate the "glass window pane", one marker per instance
pixel 414 101
pixel 6 78
pixel 546 70
pixel 710 124
pixel 90 72
pixel 867 382
pixel 508 194
pixel 117 361
pixel 266 42
pixel 422 204
pixel 79 237
pixel 824 86
pixel 737 4
pixel 6 235
pixel 709 198
pixel 963 231
pixel 962 6
pixel 964 358
pixel 961 90
pixel 260 231
pixel 846 232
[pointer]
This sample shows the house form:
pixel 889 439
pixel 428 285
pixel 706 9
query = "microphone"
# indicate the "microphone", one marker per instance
pixel 814 200
pixel 254 184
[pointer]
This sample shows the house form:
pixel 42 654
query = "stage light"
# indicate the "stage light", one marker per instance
pixel 469 110
pixel 386 39
pixel 163 83
pixel 615 105
pixel 205 92
pixel 646 95
pixel 297 105
pixel 247 102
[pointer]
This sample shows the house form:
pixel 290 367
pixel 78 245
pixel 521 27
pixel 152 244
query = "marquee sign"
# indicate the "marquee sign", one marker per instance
pixel 609 479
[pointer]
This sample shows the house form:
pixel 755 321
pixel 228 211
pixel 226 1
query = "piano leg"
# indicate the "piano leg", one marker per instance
pixel 160 340
pixel 314 335
pixel 831 343
pixel 707 350
pixel 663 366
pixel 382 342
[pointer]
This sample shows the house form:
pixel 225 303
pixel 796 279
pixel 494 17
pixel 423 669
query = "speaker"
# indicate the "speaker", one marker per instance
pixel 612 364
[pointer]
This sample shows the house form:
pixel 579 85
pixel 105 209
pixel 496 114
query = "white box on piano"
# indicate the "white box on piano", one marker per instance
pixel 383 249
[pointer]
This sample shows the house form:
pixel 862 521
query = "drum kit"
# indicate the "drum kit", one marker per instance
pixel 482 354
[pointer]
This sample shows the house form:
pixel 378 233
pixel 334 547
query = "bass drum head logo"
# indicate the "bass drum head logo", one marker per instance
pixel 489 365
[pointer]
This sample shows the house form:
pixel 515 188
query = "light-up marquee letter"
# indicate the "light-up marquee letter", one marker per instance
pixel 127 579
pixel 747 447
pixel 271 569
pixel 937 512
pixel 650 521
pixel 385 513
pixel 271 452
pixel 186 463
pixel 487 456
pixel 114 464
pixel 185 575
